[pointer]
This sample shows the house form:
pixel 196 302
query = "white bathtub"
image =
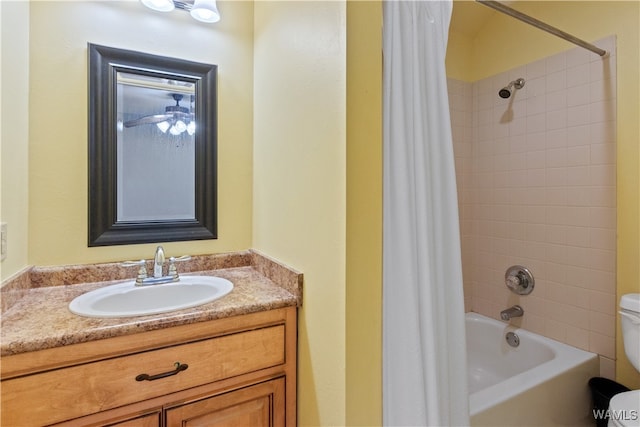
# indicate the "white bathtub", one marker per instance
pixel 540 382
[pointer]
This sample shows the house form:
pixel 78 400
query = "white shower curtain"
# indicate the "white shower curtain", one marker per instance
pixel 424 354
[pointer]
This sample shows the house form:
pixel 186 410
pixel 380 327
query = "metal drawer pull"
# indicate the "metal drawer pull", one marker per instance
pixel 147 377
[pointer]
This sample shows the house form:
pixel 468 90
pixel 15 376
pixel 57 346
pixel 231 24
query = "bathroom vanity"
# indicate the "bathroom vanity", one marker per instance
pixel 229 362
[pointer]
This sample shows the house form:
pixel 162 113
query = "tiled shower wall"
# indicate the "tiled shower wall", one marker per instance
pixel 536 187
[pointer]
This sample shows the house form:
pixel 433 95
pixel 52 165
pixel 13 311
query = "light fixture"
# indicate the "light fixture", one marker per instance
pixel 176 118
pixel 202 10
pixel 159 5
pixel 205 11
pixel 178 127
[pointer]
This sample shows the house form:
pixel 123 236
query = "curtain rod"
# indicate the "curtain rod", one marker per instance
pixel 541 25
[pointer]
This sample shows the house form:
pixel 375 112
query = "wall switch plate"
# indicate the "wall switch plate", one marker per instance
pixel 3 241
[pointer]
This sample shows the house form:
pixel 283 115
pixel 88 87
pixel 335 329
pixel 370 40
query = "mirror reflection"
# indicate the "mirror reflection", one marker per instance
pixel 155 148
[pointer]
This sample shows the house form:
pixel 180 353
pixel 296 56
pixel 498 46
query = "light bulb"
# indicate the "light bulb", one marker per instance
pixel 159 5
pixel 163 126
pixel 205 11
pixel 180 126
pixel 191 127
pixel 174 131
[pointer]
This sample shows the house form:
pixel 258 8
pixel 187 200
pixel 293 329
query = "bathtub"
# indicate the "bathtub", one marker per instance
pixel 540 382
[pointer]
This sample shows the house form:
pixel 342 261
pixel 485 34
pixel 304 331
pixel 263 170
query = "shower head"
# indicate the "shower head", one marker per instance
pixel 506 92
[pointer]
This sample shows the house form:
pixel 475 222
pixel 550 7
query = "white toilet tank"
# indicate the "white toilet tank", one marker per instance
pixel 630 320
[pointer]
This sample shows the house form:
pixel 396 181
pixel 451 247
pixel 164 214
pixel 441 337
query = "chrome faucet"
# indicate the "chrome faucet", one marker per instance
pixel 158 262
pixel 511 312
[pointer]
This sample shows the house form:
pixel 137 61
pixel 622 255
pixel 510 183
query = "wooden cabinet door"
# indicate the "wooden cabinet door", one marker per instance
pixel 258 405
pixel 151 420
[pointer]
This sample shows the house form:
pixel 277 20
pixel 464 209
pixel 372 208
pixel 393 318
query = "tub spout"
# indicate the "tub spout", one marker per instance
pixel 511 312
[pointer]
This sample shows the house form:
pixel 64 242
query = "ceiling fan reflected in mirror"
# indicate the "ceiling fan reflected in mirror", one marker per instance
pixel 176 118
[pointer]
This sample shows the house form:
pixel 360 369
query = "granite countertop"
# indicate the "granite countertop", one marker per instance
pixel 37 316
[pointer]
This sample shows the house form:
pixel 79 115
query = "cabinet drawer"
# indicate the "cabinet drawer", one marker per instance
pixel 71 392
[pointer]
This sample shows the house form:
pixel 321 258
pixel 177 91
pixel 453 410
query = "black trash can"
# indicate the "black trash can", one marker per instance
pixel 602 390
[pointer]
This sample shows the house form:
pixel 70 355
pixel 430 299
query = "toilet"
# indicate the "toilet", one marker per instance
pixel 624 408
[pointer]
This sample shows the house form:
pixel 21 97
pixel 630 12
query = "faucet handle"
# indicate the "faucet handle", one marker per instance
pixel 173 272
pixel 519 280
pixel 142 272
pixel 132 263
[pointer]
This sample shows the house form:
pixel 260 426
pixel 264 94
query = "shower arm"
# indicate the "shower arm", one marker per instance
pixel 541 25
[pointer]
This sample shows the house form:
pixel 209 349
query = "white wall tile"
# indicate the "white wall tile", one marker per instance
pixel 556 100
pixel 579 135
pixel 538 104
pixel 579 155
pixel 536 159
pixel 536 86
pixel 578 75
pixel 556 81
pixel 556 119
pixel 578 115
pixel 557 137
pixel 536 123
pixel 578 95
pixel 579 196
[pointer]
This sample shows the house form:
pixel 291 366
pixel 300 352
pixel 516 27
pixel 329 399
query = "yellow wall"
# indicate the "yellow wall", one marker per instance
pixel 504 43
pixel 299 182
pixel 58 118
pixel 459 57
pixel 364 214
pixel 14 137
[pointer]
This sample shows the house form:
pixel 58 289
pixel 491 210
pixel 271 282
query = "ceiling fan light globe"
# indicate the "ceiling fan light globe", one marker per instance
pixel 191 128
pixel 180 126
pixel 163 126
pixel 205 11
pixel 159 5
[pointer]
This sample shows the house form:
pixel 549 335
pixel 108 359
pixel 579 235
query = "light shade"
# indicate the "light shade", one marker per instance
pixel 205 11
pixel 163 126
pixel 159 5
pixel 191 127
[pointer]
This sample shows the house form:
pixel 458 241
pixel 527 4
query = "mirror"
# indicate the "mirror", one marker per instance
pixel 152 148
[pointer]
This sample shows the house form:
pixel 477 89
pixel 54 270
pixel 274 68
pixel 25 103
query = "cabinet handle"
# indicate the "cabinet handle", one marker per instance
pixel 179 367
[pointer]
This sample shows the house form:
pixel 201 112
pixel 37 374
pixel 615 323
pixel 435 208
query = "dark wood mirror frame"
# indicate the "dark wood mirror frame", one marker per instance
pixel 104 228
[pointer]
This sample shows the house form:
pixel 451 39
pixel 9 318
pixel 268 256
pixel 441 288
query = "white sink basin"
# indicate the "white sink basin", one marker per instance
pixel 127 300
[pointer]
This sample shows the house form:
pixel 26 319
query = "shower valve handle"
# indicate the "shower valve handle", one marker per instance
pixel 519 280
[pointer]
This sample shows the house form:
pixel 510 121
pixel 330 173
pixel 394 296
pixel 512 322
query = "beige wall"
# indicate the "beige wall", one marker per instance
pixel 58 118
pixel 504 43
pixel 299 182
pixel 14 138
